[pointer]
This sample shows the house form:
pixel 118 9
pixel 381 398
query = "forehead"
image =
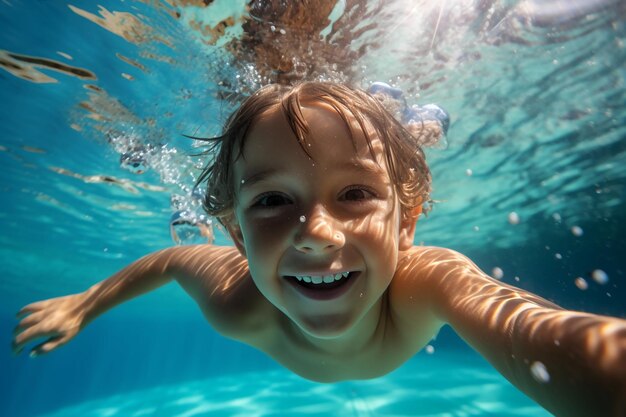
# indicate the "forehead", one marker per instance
pixel 330 131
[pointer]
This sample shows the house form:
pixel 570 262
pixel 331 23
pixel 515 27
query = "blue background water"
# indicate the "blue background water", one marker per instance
pixel 537 103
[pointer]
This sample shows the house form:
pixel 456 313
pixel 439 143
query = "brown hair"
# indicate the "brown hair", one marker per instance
pixel 403 153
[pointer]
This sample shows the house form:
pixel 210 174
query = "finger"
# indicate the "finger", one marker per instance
pixel 47 346
pixel 30 308
pixel 29 335
pixel 27 322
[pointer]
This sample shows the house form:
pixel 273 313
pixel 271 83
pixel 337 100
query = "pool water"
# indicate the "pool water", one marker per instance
pixel 530 184
pixel 433 387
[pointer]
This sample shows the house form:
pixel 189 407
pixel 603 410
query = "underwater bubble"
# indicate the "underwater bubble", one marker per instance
pixel 539 372
pixel 513 218
pixel 476 228
pixel 558 256
pixel 302 219
pixel 577 231
pixel 497 273
pixel 600 276
pixel 430 349
pixel 469 172
pixel 516 279
pixel 581 283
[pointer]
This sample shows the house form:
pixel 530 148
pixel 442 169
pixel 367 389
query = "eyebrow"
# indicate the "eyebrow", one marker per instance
pixel 257 177
pixel 366 168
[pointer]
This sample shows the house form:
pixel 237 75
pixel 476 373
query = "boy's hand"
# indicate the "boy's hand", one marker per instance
pixel 56 320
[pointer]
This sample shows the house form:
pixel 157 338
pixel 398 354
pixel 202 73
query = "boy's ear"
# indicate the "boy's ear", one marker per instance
pixel 232 226
pixel 407 227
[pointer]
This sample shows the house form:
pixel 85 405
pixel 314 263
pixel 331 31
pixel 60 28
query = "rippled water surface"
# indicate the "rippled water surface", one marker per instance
pixel 532 180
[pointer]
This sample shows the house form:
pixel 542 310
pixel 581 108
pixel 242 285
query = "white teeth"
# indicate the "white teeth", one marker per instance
pixel 318 279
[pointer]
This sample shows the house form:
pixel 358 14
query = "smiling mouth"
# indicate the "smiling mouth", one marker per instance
pixel 321 283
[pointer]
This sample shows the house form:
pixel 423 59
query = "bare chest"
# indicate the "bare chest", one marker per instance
pixel 373 360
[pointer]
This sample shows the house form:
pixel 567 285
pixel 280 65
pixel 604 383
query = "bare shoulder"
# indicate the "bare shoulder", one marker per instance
pixel 220 267
pixel 414 292
pixel 429 259
pixel 218 279
pixel 450 281
pixel 423 273
pixel 425 267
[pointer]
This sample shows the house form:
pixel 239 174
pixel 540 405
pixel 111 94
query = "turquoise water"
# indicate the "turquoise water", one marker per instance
pixel 430 386
pixel 538 129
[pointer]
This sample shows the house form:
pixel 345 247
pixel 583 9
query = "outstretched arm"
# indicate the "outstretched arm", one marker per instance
pixel 572 363
pixel 203 271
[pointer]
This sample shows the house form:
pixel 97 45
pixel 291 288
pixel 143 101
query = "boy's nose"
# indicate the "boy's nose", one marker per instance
pixel 319 232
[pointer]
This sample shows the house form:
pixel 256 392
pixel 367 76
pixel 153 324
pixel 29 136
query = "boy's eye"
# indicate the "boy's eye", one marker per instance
pixel 271 200
pixel 357 194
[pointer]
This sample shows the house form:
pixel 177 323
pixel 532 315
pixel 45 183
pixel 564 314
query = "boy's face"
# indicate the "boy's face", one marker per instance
pixel 299 219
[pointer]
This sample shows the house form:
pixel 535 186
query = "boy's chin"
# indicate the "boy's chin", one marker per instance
pixel 325 326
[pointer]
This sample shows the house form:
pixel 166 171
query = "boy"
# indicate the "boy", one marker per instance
pixel 320 189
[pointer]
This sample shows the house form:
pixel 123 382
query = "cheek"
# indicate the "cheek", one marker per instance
pixel 379 241
pixel 263 236
pixel 380 229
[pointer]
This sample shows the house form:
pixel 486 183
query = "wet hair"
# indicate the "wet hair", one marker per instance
pixel 402 149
